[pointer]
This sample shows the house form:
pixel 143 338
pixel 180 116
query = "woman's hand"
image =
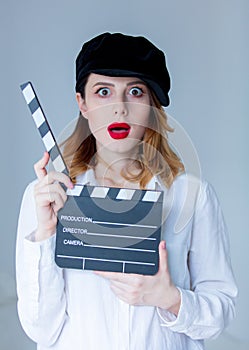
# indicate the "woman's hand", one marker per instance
pixel 157 290
pixel 49 197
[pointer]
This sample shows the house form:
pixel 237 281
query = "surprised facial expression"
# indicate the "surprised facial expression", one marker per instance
pixel 117 110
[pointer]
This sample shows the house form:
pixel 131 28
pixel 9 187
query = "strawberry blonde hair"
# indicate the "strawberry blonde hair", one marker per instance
pixel 155 157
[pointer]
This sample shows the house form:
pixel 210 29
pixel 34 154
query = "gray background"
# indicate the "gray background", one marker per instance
pixel 206 43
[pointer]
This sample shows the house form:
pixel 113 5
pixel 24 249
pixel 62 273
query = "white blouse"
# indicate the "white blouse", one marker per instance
pixel 63 309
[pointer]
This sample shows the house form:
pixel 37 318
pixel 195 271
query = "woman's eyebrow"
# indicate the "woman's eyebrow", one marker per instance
pixel 136 82
pixel 103 83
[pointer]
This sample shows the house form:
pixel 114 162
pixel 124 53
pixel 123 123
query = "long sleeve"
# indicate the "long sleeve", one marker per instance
pixel 40 283
pixel 209 305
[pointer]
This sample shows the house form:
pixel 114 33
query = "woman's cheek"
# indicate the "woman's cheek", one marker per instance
pixel 138 132
pixel 96 122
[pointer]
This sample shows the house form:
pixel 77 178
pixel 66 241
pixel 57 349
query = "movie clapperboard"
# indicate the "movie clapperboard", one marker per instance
pixel 102 228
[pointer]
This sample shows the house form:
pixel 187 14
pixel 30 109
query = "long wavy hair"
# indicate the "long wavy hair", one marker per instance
pixel 154 157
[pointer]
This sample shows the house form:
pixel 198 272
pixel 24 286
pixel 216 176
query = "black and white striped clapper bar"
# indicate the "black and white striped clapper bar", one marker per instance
pixel 43 127
pixel 102 228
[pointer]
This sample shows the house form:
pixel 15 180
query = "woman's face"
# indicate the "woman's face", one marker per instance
pixel 117 110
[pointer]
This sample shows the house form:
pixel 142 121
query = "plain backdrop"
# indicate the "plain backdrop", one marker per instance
pixel 206 45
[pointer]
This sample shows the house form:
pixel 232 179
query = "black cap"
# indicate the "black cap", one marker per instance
pixel 128 56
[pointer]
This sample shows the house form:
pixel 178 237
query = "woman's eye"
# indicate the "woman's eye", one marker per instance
pixel 104 92
pixel 135 91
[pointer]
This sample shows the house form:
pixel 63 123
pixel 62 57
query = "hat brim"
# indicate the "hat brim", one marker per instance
pixel 163 99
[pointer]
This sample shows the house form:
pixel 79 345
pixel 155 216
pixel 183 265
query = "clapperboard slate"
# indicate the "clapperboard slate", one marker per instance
pixel 102 228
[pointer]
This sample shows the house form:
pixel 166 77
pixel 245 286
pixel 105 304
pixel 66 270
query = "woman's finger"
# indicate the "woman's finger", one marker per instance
pixel 45 199
pixel 40 166
pixel 163 263
pixel 52 188
pixel 55 177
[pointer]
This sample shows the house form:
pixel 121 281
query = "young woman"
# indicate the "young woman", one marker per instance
pixel 120 140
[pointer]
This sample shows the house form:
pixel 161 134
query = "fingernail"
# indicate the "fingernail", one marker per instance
pixel 164 245
pixel 71 185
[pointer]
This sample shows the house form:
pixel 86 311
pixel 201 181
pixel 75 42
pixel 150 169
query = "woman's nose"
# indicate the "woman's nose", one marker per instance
pixel 120 107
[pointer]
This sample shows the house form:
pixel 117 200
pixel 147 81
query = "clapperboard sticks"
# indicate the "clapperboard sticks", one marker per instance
pixel 101 228
pixel 43 128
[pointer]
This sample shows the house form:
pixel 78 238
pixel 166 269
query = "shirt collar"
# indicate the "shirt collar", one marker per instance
pixel 153 184
pixel 88 178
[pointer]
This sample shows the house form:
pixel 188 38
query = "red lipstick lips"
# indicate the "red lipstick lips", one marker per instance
pixel 119 130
